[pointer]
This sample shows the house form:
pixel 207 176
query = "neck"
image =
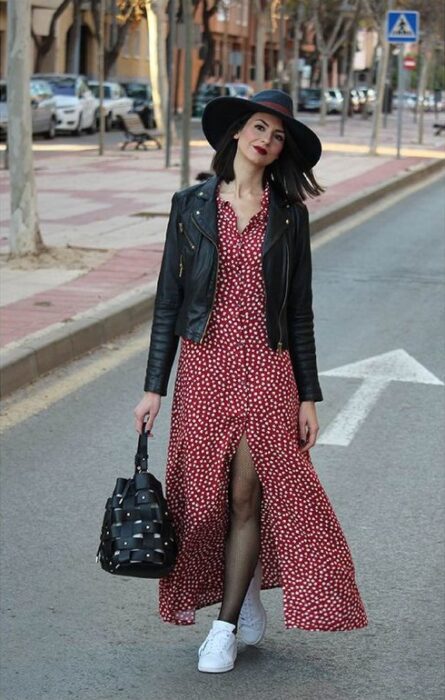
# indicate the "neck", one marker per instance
pixel 248 178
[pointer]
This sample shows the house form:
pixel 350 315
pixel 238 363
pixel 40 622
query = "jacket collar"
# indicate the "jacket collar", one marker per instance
pixel 204 212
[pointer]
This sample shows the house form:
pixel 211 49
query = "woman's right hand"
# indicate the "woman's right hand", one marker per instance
pixel 148 407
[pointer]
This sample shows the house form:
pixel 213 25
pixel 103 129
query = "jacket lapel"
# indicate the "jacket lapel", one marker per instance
pixel 204 213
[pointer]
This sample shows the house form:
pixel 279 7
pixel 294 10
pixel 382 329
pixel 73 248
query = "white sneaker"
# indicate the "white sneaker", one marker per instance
pixel 218 651
pixel 252 618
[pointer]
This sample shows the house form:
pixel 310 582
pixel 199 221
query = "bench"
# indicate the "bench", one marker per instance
pixel 135 132
pixel 438 129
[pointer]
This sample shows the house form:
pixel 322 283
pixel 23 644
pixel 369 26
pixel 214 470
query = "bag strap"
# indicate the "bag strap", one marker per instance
pixel 141 456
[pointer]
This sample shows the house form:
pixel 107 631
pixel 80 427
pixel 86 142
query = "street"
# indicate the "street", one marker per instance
pixel 71 631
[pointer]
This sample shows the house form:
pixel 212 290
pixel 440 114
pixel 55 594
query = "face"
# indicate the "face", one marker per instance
pixel 261 139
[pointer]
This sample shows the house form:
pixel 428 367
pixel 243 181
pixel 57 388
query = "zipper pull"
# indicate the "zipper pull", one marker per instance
pixel 180 266
pixel 280 347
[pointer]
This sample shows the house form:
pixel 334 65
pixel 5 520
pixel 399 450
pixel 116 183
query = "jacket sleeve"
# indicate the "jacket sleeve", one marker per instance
pixel 168 300
pixel 301 317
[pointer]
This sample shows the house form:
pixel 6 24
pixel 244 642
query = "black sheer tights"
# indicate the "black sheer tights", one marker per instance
pixel 243 541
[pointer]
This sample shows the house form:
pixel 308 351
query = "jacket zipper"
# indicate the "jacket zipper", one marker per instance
pixel 182 229
pixel 216 278
pixel 280 344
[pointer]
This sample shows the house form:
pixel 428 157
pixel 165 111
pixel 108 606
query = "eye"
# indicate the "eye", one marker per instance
pixel 280 137
pixel 260 127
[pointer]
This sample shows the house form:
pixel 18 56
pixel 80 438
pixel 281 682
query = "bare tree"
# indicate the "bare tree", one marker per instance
pixel 126 18
pixel 25 234
pixel 432 30
pixel 208 41
pixel 377 10
pixel 155 13
pixel 44 44
pixel 329 41
pixel 260 7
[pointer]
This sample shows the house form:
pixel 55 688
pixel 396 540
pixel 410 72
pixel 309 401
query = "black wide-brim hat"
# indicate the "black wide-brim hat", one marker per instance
pixel 221 112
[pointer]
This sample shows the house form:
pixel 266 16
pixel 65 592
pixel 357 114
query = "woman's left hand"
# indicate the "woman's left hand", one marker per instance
pixel 308 425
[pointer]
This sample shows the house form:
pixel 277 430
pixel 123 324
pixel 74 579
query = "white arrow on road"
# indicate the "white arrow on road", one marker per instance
pixel 377 372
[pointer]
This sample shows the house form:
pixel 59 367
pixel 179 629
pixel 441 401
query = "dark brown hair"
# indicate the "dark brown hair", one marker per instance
pixel 290 174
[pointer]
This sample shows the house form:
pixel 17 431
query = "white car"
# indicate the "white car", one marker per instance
pixel 116 102
pixel 76 104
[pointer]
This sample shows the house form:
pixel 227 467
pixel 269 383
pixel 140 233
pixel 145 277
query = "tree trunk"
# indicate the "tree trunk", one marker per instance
pixel 73 62
pixel 381 79
pixel 260 47
pixel 44 44
pixel 324 86
pixel 158 65
pixel 25 233
pixel 209 44
pixel 426 62
pixel 296 60
pixel 187 111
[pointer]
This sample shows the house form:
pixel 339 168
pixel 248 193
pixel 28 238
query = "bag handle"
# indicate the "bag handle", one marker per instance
pixel 141 456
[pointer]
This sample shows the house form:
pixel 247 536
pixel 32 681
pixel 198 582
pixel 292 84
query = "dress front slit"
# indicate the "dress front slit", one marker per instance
pixel 232 384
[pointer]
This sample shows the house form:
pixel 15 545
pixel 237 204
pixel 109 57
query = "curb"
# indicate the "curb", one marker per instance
pixel 38 355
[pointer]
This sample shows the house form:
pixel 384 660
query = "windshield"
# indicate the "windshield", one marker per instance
pixel 62 87
pixel 242 90
pixel 136 91
pixel 314 93
pixel 95 90
pixel 3 93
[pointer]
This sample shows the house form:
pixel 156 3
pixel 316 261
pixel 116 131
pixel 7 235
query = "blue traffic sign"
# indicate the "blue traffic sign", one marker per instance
pixel 402 27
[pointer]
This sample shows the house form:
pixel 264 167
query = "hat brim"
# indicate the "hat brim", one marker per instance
pixel 221 112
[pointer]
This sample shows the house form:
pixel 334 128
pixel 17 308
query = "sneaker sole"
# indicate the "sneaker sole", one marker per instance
pixel 223 669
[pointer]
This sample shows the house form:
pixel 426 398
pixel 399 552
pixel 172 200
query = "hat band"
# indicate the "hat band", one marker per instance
pixel 277 107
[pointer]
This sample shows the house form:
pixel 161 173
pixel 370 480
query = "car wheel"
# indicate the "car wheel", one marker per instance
pixel 93 128
pixel 51 133
pixel 108 122
pixel 79 128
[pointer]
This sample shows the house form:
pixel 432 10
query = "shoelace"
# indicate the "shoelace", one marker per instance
pixel 216 641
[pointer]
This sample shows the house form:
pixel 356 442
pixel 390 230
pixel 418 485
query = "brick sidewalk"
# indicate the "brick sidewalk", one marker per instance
pixel 118 204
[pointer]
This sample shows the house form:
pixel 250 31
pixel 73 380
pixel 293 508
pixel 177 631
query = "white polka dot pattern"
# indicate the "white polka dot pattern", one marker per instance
pixel 234 383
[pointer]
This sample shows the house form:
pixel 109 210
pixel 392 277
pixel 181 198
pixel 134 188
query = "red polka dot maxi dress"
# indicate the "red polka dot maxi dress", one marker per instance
pixel 234 383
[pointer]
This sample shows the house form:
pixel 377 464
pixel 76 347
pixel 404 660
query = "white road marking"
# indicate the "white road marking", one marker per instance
pixel 377 372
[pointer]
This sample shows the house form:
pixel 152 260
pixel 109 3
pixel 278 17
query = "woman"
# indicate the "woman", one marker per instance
pixel 235 284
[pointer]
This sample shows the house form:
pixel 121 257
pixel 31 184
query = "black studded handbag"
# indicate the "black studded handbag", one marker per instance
pixel 137 536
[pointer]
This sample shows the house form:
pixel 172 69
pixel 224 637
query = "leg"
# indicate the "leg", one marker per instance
pixel 243 542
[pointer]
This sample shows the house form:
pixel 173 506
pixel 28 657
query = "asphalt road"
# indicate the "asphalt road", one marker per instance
pixel 69 630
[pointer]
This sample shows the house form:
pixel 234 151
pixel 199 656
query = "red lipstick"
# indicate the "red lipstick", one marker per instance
pixel 261 151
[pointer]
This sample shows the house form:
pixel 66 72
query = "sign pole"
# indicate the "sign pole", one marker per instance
pixel 402 27
pixel 400 91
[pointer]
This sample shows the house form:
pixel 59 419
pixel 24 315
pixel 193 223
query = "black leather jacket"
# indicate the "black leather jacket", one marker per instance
pixel 187 283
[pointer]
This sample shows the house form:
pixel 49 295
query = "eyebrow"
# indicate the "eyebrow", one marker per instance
pixel 262 120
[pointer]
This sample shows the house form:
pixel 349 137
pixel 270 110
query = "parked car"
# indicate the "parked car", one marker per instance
pixel 142 97
pixel 76 105
pixel 116 102
pixel 242 90
pixel 309 100
pixel 43 108
pixel 335 100
pixel 207 92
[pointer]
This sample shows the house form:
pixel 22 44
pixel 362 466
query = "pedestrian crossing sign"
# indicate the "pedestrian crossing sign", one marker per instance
pixel 402 27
